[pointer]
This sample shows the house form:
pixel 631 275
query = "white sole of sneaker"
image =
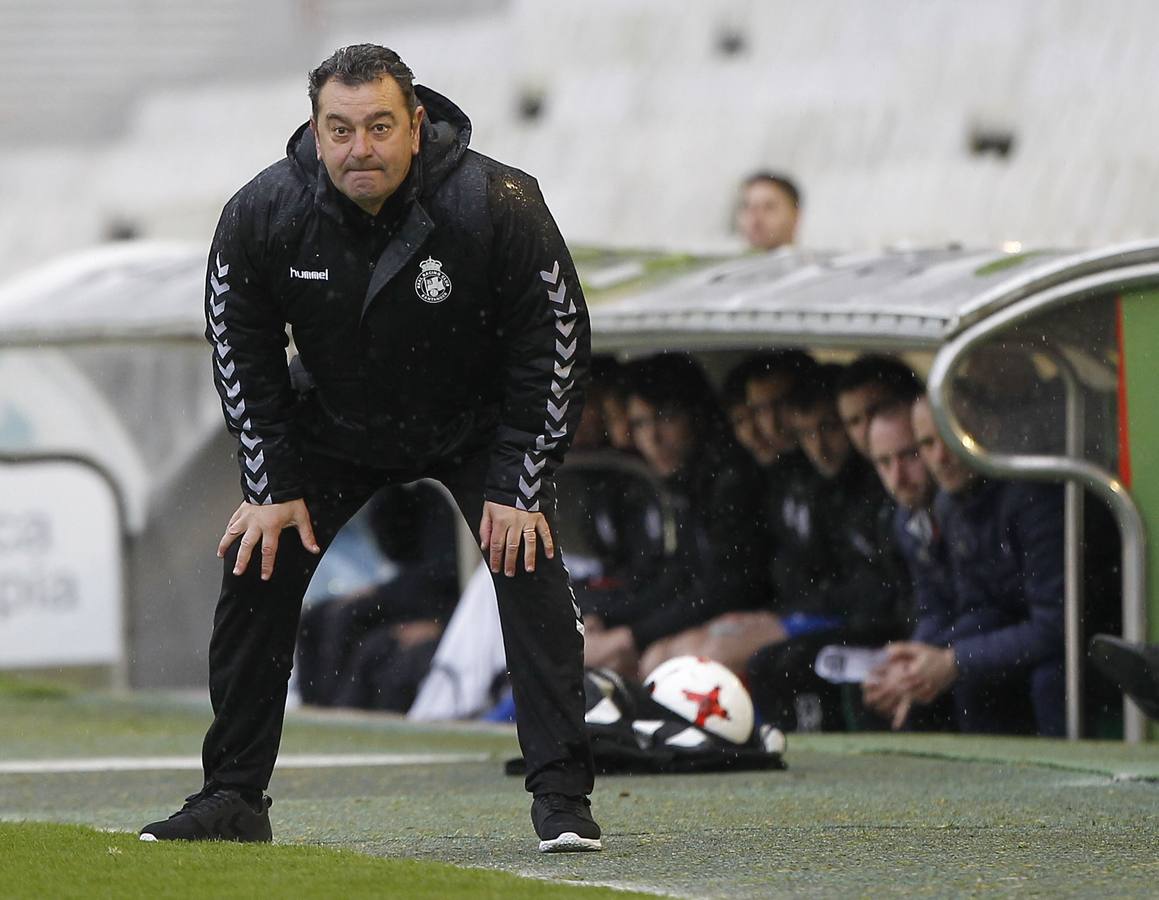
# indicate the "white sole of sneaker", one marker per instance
pixel 570 842
pixel 148 837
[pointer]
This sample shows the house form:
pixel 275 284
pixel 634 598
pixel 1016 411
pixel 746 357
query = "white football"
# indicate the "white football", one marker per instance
pixel 705 693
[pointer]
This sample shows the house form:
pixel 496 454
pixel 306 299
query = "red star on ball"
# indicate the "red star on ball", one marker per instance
pixel 707 705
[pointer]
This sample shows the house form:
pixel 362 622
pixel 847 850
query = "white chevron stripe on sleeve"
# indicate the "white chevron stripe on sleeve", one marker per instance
pixel 256 479
pixel 555 429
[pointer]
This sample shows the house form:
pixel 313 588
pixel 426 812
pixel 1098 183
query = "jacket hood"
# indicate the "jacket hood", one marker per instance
pixel 446 134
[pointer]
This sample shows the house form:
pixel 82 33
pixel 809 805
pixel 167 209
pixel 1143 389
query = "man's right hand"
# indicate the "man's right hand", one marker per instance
pixel 264 525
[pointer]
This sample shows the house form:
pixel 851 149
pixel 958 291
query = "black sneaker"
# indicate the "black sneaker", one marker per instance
pixel 215 814
pixel 1133 667
pixel 564 824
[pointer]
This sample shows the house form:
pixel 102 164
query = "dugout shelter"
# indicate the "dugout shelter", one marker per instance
pixel 1039 365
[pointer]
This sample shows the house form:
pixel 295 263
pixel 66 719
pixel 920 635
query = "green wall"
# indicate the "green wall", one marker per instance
pixel 1140 344
pixel 1140 338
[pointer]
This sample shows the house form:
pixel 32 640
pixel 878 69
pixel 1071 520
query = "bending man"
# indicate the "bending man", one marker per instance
pixel 441 333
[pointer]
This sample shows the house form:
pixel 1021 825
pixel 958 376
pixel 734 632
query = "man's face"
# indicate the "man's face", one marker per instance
pixel 615 410
pixel 663 438
pixel 767 217
pixel 856 408
pixel 366 138
pixel 893 449
pixel 822 438
pixel 765 397
pixel 949 471
pixel 744 429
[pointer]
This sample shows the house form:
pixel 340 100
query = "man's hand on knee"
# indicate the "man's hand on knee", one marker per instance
pixel 504 529
pixel 263 525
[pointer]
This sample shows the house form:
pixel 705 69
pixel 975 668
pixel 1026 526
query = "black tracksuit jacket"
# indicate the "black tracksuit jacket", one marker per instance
pixel 452 320
pixel 832 556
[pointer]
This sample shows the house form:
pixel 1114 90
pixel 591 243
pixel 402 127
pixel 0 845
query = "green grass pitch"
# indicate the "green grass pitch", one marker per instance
pixel 853 815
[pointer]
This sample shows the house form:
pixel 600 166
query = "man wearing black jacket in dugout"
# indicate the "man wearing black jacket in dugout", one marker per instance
pixel 442 332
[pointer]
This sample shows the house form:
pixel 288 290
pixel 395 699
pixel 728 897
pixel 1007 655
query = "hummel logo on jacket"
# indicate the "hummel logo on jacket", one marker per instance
pixel 452 319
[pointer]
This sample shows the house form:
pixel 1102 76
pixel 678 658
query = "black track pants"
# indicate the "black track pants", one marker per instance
pixel 256 623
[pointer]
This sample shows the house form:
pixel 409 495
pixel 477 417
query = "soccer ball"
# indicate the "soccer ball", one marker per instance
pixel 705 693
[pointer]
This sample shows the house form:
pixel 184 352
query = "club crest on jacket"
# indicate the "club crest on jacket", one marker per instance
pixel 432 285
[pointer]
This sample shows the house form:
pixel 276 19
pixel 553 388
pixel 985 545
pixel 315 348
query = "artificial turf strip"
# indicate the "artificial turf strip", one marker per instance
pixel 62 861
pixel 854 815
pixel 40 721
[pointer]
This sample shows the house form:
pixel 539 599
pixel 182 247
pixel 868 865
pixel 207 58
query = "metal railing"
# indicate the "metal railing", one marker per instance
pixel 1077 472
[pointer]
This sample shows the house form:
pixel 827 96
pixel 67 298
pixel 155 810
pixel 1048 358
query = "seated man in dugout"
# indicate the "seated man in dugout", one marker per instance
pixel 766 379
pixel 605 426
pixel 371 648
pixel 868 384
pixel 831 580
pixel 893 450
pixel 714 487
pixel 992 638
pixel 753 395
pixel 609 512
pixel 764 449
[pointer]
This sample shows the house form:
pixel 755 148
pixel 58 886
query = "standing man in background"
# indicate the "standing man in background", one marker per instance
pixel 770 206
pixel 442 334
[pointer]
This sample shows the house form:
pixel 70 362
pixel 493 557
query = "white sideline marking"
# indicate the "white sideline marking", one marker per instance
pixel 193 763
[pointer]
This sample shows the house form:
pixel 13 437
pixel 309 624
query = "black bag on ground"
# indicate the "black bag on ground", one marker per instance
pixel 632 733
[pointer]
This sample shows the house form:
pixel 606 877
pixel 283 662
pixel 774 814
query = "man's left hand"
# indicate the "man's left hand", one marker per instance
pixel 927 671
pixel 504 529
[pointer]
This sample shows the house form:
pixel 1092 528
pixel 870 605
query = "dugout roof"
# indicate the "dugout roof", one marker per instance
pixel 889 300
